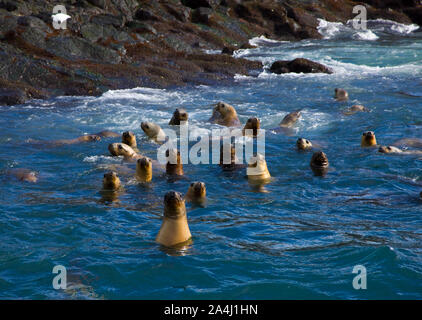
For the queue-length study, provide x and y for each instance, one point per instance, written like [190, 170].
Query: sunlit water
[300, 239]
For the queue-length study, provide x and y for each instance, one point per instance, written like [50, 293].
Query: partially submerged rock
[299, 65]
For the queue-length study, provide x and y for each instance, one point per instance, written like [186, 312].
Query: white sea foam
[375, 28]
[263, 41]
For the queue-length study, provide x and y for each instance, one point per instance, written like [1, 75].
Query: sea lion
[197, 193]
[253, 124]
[224, 115]
[23, 174]
[319, 163]
[107, 134]
[178, 116]
[81, 139]
[368, 139]
[340, 94]
[129, 138]
[290, 119]
[144, 169]
[257, 170]
[111, 181]
[174, 165]
[232, 163]
[410, 142]
[174, 228]
[153, 131]
[395, 150]
[122, 149]
[304, 144]
[354, 109]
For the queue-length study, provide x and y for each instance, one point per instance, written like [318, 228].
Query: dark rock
[141, 27]
[73, 48]
[242, 11]
[299, 65]
[7, 24]
[98, 3]
[93, 31]
[108, 19]
[415, 14]
[228, 50]
[195, 4]
[201, 15]
[247, 45]
[33, 22]
[143, 15]
[9, 96]
[180, 13]
[7, 5]
[288, 26]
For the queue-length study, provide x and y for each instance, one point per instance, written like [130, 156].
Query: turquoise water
[298, 240]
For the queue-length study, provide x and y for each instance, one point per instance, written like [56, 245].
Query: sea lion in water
[229, 162]
[410, 142]
[224, 115]
[290, 119]
[178, 116]
[81, 139]
[174, 228]
[144, 169]
[368, 139]
[252, 125]
[153, 131]
[340, 94]
[319, 163]
[354, 109]
[304, 144]
[122, 149]
[107, 134]
[129, 138]
[23, 174]
[197, 193]
[174, 164]
[395, 150]
[111, 181]
[257, 170]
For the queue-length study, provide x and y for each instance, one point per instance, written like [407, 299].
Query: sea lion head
[303, 144]
[89, 138]
[144, 169]
[178, 116]
[152, 130]
[174, 164]
[389, 149]
[290, 119]
[30, 177]
[120, 149]
[368, 139]
[196, 190]
[257, 168]
[319, 163]
[108, 134]
[111, 181]
[129, 138]
[341, 94]
[252, 124]
[224, 114]
[174, 205]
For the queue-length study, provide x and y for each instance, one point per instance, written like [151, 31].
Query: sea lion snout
[319, 159]
[303, 144]
[111, 181]
[198, 188]
[144, 162]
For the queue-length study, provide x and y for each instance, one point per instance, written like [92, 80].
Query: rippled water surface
[300, 239]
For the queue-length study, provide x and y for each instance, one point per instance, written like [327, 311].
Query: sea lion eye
[120, 147]
[307, 141]
[191, 184]
[389, 148]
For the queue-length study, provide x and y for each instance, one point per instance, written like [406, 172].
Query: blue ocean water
[298, 240]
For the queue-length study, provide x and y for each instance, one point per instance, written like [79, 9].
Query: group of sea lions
[174, 230]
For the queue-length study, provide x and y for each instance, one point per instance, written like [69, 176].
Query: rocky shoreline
[119, 44]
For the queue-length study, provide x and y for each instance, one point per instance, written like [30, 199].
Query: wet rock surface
[299, 65]
[119, 44]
